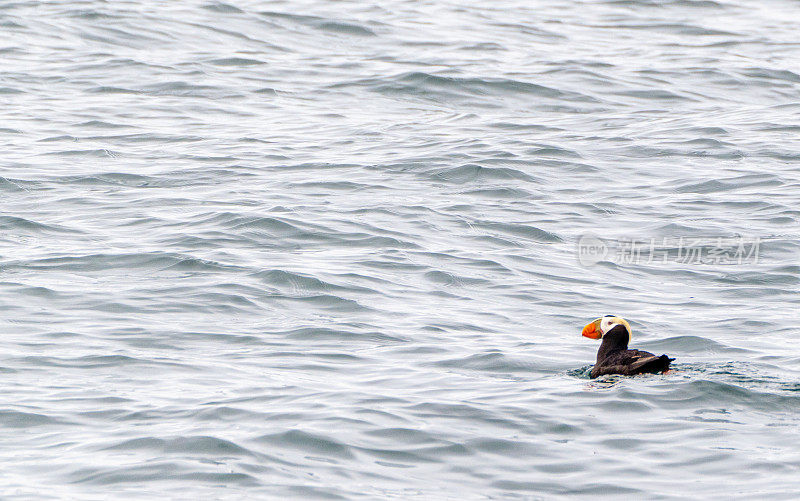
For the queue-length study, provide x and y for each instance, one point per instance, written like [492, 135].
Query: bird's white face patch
[608, 322]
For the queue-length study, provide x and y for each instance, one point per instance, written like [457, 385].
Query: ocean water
[338, 250]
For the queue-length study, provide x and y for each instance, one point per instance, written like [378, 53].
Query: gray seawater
[328, 250]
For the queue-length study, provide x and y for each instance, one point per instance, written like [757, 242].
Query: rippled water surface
[327, 250]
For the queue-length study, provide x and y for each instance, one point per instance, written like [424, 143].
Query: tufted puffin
[614, 357]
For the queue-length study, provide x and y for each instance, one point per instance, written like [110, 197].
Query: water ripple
[328, 250]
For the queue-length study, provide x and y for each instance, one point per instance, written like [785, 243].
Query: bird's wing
[635, 359]
[626, 362]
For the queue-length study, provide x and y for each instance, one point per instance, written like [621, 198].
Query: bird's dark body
[614, 357]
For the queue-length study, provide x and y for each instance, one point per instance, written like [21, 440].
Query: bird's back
[630, 362]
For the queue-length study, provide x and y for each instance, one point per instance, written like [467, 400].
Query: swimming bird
[614, 357]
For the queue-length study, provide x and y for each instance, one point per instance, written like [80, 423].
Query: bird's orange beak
[592, 330]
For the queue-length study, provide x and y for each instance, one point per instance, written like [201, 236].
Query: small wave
[223, 8]
[331, 334]
[323, 24]
[161, 470]
[110, 179]
[337, 186]
[307, 442]
[202, 445]
[690, 344]
[142, 261]
[98, 361]
[519, 230]
[725, 394]
[444, 278]
[772, 74]
[18, 419]
[13, 224]
[180, 88]
[298, 283]
[110, 89]
[419, 84]
[345, 28]
[236, 61]
[472, 173]
[501, 193]
[100, 124]
[95, 153]
[490, 362]
[716, 185]
[654, 94]
[700, 4]
[671, 28]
